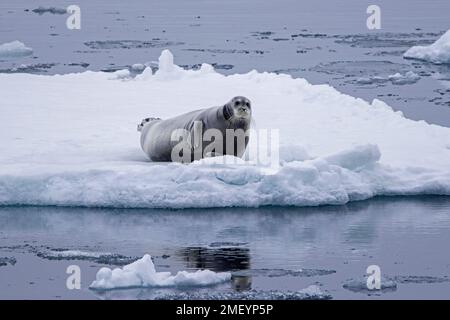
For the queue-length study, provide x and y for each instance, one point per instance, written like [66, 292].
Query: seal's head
[239, 108]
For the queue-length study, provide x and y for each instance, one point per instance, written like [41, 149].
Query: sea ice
[99, 257]
[142, 273]
[360, 286]
[438, 52]
[14, 49]
[409, 77]
[312, 292]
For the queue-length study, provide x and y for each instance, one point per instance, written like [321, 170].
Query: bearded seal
[197, 134]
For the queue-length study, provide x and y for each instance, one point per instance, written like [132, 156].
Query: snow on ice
[71, 140]
[438, 52]
[142, 273]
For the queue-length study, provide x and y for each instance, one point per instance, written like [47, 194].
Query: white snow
[75, 253]
[14, 49]
[142, 273]
[72, 140]
[438, 52]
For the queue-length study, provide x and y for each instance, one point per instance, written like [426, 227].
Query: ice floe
[71, 140]
[142, 273]
[74, 254]
[438, 52]
[272, 273]
[312, 292]
[420, 279]
[360, 286]
[390, 283]
[409, 77]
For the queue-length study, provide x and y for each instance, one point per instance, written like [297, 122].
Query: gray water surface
[266, 249]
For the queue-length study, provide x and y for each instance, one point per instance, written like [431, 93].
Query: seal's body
[158, 137]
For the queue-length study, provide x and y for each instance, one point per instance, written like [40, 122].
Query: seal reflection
[225, 259]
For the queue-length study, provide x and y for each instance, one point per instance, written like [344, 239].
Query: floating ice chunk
[74, 254]
[399, 79]
[438, 52]
[14, 49]
[138, 67]
[121, 74]
[372, 80]
[99, 257]
[142, 273]
[313, 292]
[360, 286]
[408, 78]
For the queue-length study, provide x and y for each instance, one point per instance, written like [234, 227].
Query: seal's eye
[237, 103]
[247, 104]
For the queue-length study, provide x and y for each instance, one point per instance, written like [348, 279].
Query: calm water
[263, 248]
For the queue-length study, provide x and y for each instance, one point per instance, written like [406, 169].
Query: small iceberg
[408, 78]
[142, 274]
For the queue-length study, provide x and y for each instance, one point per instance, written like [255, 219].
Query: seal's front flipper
[144, 122]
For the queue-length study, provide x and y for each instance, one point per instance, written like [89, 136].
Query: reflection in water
[241, 283]
[220, 259]
[269, 248]
[217, 259]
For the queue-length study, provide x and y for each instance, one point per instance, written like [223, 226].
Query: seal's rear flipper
[144, 122]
